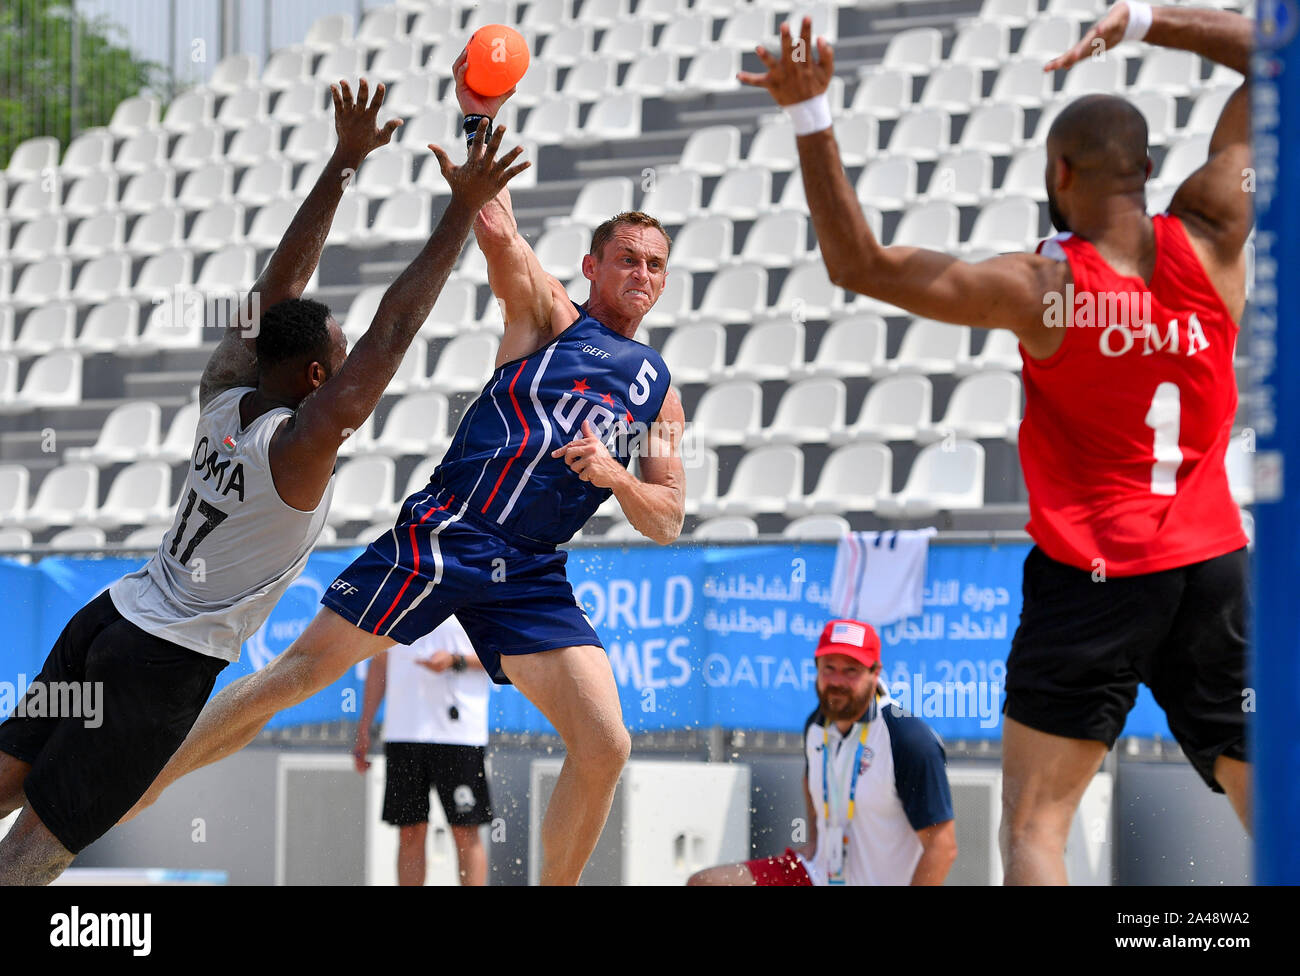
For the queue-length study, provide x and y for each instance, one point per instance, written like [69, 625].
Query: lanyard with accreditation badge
[837, 870]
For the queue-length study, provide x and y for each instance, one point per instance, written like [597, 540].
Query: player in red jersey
[1127, 325]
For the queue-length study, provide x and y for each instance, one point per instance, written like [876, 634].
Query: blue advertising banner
[696, 636]
[1275, 401]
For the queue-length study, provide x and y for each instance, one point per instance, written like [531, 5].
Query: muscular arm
[1002, 292]
[306, 446]
[655, 503]
[234, 361]
[528, 294]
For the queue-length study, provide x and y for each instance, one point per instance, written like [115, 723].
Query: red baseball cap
[852, 638]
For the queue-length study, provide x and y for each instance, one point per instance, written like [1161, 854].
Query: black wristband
[458, 662]
[470, 127]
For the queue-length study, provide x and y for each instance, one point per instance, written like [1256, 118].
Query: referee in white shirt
[435, 734]
[875, 783]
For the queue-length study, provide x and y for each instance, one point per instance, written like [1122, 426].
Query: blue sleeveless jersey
[499, 461]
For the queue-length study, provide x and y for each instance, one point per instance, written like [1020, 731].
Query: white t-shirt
[419, 701]
[902, 787]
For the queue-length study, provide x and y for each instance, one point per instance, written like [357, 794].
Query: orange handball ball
[496, 58]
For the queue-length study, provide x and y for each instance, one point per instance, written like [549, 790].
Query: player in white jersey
[255, 499]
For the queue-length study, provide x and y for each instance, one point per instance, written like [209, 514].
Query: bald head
[1102, 142]
[1102, 133]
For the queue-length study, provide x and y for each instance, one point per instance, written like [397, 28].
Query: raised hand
[355, 119]
[1105, 34]
[471, 102]
[797, 76]
[482, 176]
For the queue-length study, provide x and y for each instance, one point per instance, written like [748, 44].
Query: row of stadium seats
[947, 475]
[199, 171]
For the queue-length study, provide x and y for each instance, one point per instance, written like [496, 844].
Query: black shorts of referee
[88, 770]
[457, 772]
[1083, 646]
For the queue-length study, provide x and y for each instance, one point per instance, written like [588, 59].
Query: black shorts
[456, 772]
[140, 696]
[1083, 646]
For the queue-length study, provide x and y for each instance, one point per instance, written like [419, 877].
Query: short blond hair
[602, 234]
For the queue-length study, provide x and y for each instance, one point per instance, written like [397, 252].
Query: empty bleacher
[807, 402]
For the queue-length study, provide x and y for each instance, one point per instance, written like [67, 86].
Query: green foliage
[36, 80]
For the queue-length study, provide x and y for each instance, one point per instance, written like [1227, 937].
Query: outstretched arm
[303, 450]
[234, 361]
[526, 292]
[1214, 203]
[1002, 292]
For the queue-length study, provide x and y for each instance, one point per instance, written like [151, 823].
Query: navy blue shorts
[510, 595]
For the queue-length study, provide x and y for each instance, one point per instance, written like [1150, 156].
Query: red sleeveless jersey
[1127, 424]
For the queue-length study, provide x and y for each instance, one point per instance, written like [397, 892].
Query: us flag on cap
[852, 638]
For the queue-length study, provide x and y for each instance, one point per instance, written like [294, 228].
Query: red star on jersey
[628, 416]
[607, 398]
[580, 386]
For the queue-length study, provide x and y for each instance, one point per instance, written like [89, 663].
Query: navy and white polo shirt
[902, 788]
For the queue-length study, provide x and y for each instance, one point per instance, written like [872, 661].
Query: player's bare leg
[410, 854]
[471, 856]
[1043, 779]
[574, 688]
[30, 854]
[730, 875]
[13, 773]
[1234, 776]
[319, 657]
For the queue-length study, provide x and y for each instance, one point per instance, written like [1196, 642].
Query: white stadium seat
[964, 177]
[729, 413]
[888, 183]
[931, 347]
[776, 240]
[33, 158]
[90, 152]
[79, 537]
[726, 528]
[157, 230]
[884, 94]
[742, 194]
[895, 409]
[197, 148]
[810, 412]
[1008, 224]
[102, 279]
[853, 479]
[134, 115]
[14, 482]
[817, 527]
[466, 363]
[68, 494]
[769, 351]
[943, 477]
[141, 494]
[46, 329]
[704, 244]
[216, 226]
[766, 480]
[363, 489]
[179, 443]
[985, 405]
[111, 326]
[130, 432]
[735, 294]
[417, 425]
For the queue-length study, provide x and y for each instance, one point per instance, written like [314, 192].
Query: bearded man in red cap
[875, 783]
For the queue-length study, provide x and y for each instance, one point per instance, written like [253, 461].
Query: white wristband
[809, 116]
[1139, 20]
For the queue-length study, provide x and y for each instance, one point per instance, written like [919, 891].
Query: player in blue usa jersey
[546, 442]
